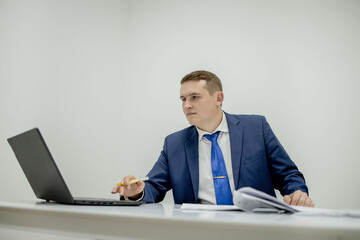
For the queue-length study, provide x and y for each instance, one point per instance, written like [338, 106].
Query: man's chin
[192, 122]
[193, 119]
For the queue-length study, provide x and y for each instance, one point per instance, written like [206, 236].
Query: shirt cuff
[135, 200]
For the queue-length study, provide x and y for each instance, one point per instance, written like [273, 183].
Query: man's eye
[195, 97]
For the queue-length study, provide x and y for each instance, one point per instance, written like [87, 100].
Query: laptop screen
[39, 167]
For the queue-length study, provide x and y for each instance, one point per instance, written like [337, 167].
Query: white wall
[101, 78]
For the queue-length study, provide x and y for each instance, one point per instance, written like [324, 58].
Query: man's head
[213, 83]
[201, 95]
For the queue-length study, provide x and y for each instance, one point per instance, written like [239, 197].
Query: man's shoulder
[244, 119]
[183, 133]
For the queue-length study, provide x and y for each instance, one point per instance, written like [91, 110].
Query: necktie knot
[212, 137]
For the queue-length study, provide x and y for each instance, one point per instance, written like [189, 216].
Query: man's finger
[308, 202]
[287, 199]
[295, 196]
[127, 183]
[302, 199]
[115, 190]
[121, 191]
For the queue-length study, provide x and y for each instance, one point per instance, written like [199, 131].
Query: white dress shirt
[206, 192]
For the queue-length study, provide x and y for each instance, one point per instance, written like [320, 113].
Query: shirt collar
[223, 127]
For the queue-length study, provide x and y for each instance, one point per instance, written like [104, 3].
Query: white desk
[166, 221]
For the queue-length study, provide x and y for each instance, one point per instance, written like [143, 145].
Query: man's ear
[219, 98]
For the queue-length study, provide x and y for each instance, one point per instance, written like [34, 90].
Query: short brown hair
[213, 82]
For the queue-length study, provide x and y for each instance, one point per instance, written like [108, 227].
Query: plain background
[101, 81]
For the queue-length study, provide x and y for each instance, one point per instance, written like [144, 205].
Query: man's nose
[187, 105]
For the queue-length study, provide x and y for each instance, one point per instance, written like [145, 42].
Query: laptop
[44, 176]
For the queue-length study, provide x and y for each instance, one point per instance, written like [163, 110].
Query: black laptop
[43, 175]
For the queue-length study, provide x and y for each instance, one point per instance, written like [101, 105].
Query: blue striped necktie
[220, 177]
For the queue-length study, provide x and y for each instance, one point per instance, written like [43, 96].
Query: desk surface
[168, 221]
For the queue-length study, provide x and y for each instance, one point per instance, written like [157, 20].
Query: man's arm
[285, 174]
[159, 179]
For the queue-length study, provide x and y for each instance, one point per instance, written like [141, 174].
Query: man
[217, 154]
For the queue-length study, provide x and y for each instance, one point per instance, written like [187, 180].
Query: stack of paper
[251, 200]
[246, 199]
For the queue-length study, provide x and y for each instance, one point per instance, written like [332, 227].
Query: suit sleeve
[285, 174]
[159, 180]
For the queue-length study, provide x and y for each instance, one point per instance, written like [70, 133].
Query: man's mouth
[189, 114]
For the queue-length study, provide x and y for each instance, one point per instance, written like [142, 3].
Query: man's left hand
[299, 198]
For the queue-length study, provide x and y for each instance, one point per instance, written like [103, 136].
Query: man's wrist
[136, 198]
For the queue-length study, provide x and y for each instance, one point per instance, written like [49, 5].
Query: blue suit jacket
[258, 161]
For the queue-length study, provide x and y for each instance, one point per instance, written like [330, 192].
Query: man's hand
[299, 198]
[133, 190]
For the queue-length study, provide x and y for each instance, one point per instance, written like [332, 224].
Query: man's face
[200, 108]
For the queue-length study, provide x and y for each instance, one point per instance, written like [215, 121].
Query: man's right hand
[133, 190]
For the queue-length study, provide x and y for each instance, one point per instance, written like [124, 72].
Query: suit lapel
[236, 146]
[192, 156]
